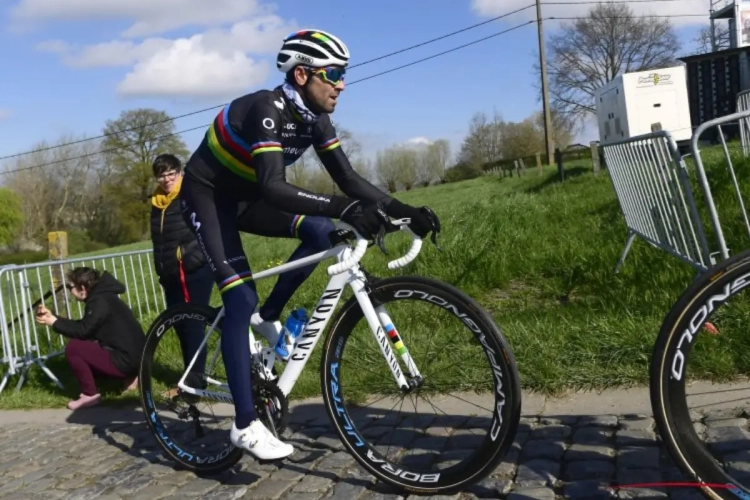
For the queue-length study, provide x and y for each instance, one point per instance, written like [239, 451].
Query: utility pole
[545, 90]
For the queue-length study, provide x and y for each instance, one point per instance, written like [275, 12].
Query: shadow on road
[425, 438]
[313, 437]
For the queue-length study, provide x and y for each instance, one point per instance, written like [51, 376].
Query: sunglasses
[332, 75]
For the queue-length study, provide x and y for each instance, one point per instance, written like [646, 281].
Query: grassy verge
[539, 255]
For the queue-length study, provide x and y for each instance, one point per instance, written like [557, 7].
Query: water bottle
[293, 327]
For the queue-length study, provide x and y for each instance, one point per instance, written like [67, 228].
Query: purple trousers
[87, 358]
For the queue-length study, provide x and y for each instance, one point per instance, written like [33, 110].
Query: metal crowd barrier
[24, 287]
[742, 117]
[653, 189]
[743, 104]
[653, 186]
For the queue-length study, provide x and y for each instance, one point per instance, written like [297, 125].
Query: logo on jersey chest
[294, 151]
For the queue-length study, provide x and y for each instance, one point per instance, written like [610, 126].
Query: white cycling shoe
[259, 442]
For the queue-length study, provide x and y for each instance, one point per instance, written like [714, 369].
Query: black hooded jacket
[110, 322]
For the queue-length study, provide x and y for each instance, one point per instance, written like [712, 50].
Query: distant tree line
[99, 190]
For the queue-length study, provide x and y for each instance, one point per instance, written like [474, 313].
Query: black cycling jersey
[242, 159]
[257, 136]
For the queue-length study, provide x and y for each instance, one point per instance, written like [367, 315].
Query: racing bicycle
[463, 389]
[705, 333]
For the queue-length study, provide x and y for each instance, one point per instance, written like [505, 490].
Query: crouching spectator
[107, 341]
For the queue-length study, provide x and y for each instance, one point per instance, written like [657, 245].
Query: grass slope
[538, 254]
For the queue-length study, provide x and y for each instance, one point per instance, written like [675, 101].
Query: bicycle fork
[383, 329]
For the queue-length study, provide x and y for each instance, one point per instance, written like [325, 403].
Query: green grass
[539, 255]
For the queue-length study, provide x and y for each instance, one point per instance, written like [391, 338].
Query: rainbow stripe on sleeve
[328, 146]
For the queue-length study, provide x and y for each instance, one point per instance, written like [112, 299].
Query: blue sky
[68, 66]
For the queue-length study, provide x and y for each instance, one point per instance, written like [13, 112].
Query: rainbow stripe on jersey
[231, 151]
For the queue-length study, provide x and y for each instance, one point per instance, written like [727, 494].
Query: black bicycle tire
[194, 464]
[342, 325]
[668, 403]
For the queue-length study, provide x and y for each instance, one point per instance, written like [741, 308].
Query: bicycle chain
[268, 399]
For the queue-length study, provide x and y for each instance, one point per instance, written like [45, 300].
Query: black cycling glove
[423, 220]
[366, 218]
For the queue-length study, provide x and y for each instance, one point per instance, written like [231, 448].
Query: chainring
[270, 401]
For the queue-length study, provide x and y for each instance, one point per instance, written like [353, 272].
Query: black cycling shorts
[218, 211]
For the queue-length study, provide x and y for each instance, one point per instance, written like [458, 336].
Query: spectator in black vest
[183, 271]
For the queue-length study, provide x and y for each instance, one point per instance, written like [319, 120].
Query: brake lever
[433, 237]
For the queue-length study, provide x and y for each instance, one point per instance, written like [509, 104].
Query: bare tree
[72, 174]
[589, 52]
[563, 129]
[406, 160]
[440, 153]
[721, 36]
[432, 161]
[483, 142]
[36, 190]
[386, 169]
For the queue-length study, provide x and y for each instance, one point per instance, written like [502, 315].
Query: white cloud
[491, 8]
[188, 68]
[220, 62]
[149, 17]
[113, 53]
[418, 140]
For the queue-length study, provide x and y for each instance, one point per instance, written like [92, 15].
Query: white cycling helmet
[314, 48]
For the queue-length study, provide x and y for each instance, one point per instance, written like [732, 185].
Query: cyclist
[242, 159]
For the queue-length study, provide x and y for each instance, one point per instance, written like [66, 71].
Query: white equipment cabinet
[639, 103]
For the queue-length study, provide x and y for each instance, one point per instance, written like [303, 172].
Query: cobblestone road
[553, 457]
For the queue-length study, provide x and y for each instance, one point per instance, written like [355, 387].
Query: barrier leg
[4, 381]
[625, 251]
[49, 373]
[22, 378]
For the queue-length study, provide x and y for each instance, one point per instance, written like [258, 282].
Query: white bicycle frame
[346, 272]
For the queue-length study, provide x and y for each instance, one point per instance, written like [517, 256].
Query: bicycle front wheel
[459, 417]
[704, 338]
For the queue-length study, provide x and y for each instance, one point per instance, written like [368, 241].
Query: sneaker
[258, 441]
[84, 401]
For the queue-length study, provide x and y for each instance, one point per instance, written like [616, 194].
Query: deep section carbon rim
[181, 422]
[704, 337]
[454, 428]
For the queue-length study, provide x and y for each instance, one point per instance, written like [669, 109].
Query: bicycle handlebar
[353, 259]
[361, 248]
[416, 246]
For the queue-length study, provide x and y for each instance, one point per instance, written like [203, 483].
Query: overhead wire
[552, 18]
[211, 108]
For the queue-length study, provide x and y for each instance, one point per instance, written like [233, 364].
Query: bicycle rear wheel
[432, 450]
[705, 337]
[182, 423]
